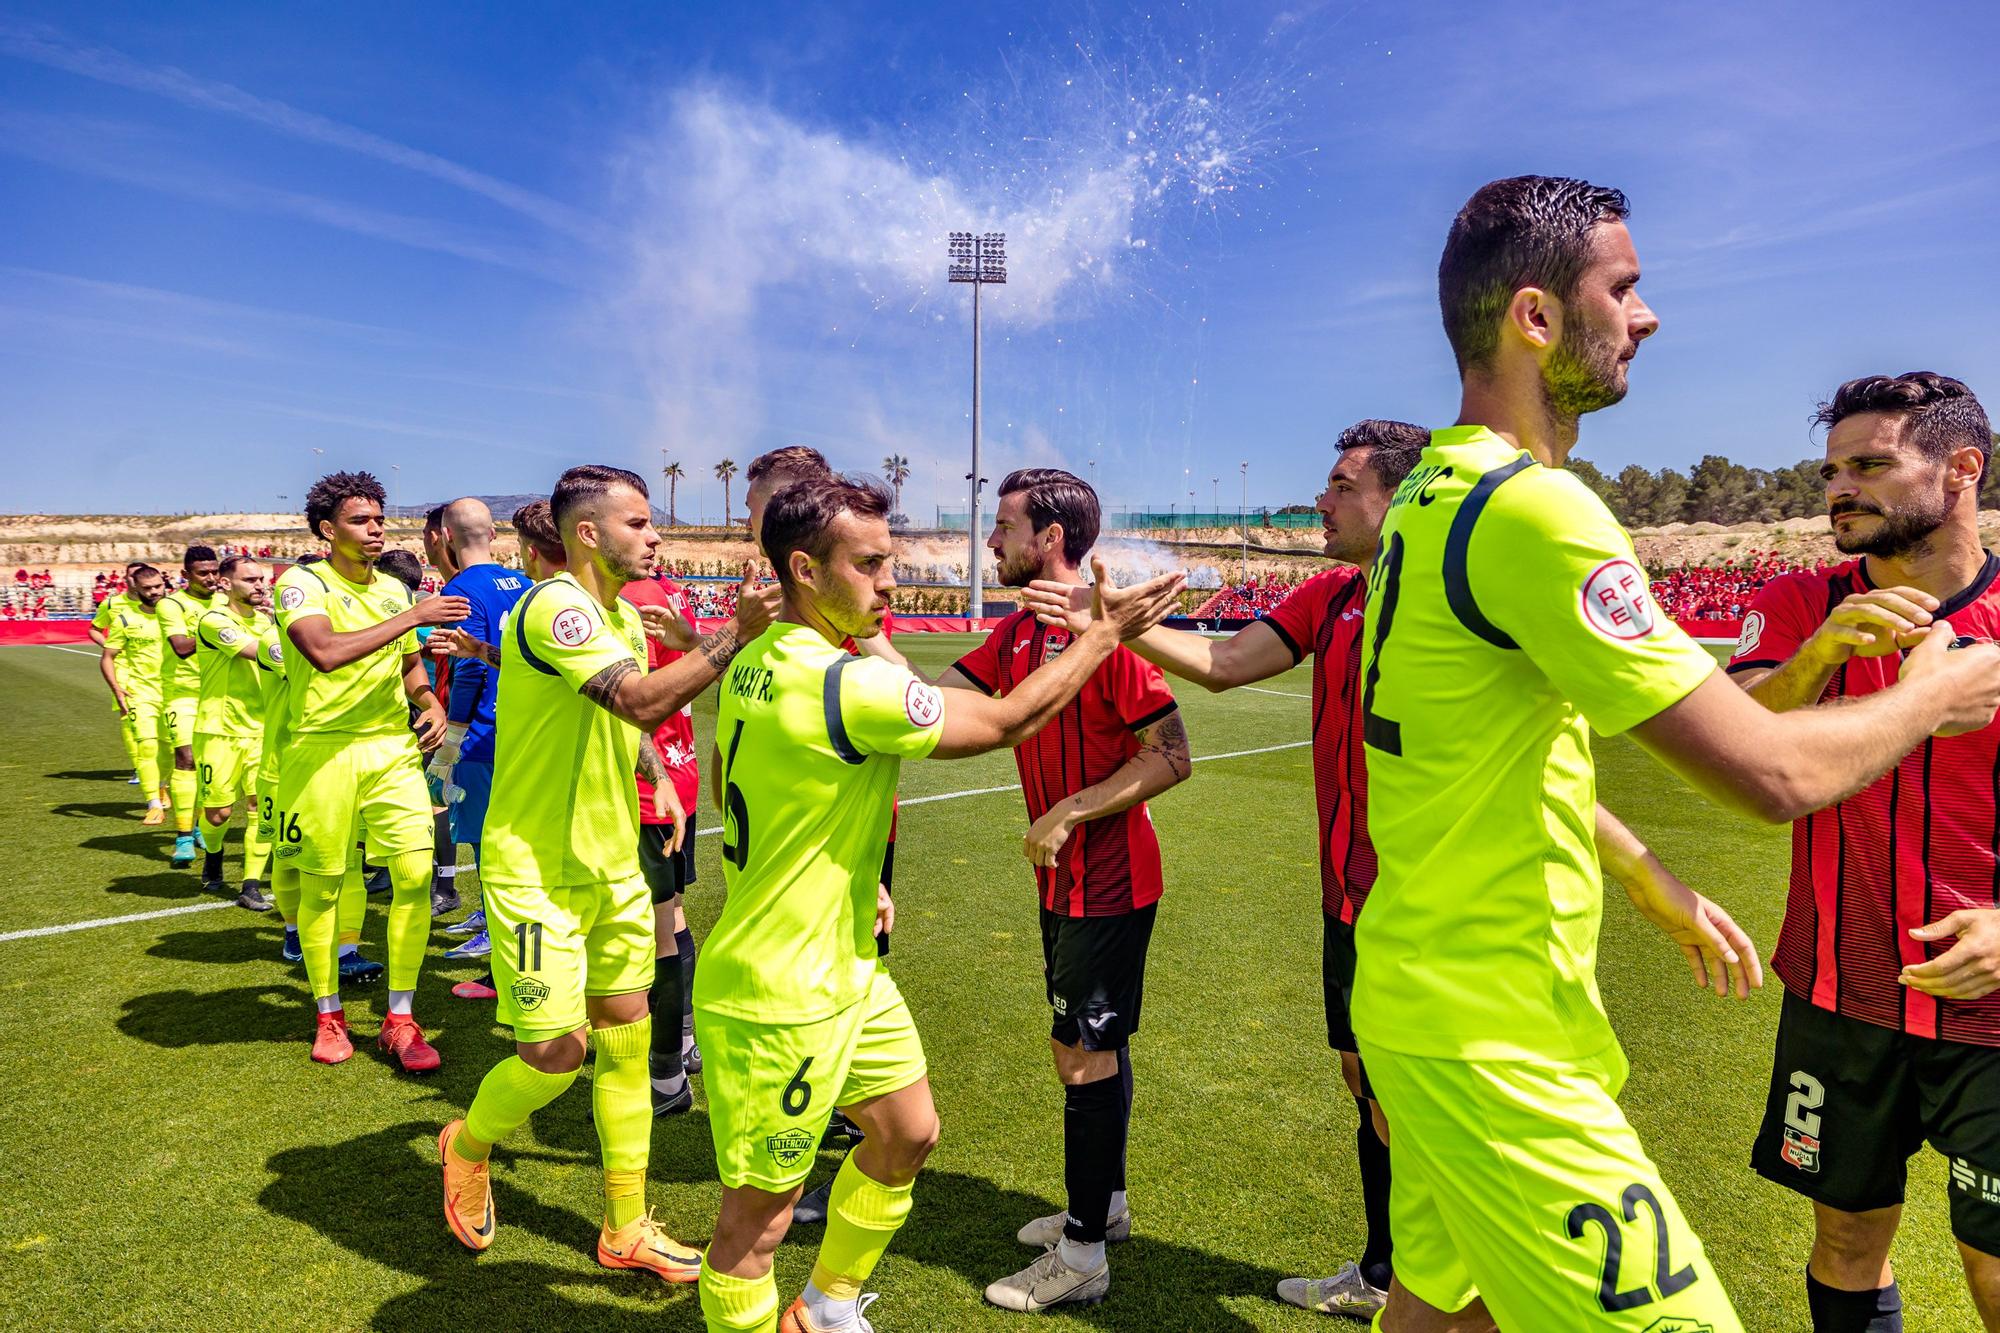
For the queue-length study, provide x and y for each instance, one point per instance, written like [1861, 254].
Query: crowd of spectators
[1720, 592]
[1245, 601]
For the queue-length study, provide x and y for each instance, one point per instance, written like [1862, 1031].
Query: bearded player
[796, 1011]
[229, 722]
[1890, 950]
[133, 666]
[180, 687]
[1507, 618]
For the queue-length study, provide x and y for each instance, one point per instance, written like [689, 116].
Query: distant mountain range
[503, 507]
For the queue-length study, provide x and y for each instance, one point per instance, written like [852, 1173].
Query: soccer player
[561, 877]
[666, 854]
[1507, 618]
[1890, 949]
[229, 722]
[133, 666]
[463, 549]
[108, 609]
[181, 684]
[1322, 619]
[796, 1012]
[1096, 861]
[353, 759]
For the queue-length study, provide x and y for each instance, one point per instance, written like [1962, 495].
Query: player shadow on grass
[397, 1221]
[179, 884]
[228, 947]
[153, 844]
[98, 809]
[91, 775]
[177, 1019]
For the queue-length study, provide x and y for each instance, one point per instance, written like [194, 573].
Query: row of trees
[895, 467]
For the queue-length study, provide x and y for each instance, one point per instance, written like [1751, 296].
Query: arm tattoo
[720, 648]
[1170, 741]
[651, 767]
[602, 688]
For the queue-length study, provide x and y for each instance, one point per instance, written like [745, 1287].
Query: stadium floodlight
[1243, 521]
[978, 260]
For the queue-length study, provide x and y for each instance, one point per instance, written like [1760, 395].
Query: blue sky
[475, 244]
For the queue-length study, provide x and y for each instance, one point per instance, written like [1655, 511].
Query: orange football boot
[330, 1040]
[468, 1193]
[642, 1244]
[404, 1042]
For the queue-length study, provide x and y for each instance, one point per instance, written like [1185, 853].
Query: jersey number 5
[1377, 731]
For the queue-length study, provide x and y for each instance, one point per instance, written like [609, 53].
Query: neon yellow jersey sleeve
[569, 631]
[885, 709]
[1552, 568]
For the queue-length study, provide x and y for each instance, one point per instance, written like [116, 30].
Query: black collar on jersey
[1959, 600]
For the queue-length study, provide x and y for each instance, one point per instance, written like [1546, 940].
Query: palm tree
[897, 469]
[673, 472]
[724, 471]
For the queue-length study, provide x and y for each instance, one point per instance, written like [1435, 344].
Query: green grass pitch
[173, 1160]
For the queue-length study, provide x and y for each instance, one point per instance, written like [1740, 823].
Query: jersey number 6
[735, 812]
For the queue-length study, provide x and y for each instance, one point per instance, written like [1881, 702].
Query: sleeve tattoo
[1168, 738]
[602, 688]
[651, 767]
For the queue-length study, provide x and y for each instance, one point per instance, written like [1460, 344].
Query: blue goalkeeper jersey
[492, 590]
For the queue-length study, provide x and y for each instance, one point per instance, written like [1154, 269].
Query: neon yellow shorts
[142, 718]
[773, 1087]
[179, 717]
[267, 761]
[1523, 1184]
[332, 787]
[553, 948]
[228, 767]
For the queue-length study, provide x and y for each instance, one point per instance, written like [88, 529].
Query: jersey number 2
[1665, 1281]
[1378, 731]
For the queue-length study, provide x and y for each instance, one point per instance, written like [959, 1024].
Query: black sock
[667, 1009]
[684, 949]
[211, 864]
[1125, 1078]
[1093, 1146]
[1374, 1156]
[444, 852]
[1837, 1311]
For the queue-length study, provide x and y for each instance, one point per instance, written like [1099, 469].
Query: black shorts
[1851, 1103]
[667, 873]
[1095, 967]
[1336, 975]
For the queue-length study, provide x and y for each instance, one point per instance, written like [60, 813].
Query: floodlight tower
[977, 260]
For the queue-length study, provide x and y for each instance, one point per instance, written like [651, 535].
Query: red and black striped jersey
[1322, 618]
[1919, 843]
[1110, 865]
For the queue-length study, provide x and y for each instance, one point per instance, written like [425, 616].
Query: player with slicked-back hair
[797, 1016]
[1890, 950]
[179, 610]
[564, 895]
[1507, 620]
[131, 662]
[353, 756]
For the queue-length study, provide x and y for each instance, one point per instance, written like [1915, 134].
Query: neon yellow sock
[185, 789]
[319, 930]
[862, 1217]
[256, 851]
[409, 916]
[624, 1198]
[512, 1091]
[285, 891]
[213, 835]
[622, 1104]
[145, 755]
[353, 899]
[738, 1304]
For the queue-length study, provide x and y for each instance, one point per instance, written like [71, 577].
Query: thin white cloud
[187, 305]
[44, 46]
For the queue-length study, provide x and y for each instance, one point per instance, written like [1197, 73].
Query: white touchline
[1283, 694]
[39, 931]
[82, 652]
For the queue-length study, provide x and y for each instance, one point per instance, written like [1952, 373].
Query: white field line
[1282, 694]
[38, 931]
[84, 652]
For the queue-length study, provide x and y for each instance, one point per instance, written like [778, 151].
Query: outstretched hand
[1134, 610]
[1719, 952]
[1059, 605]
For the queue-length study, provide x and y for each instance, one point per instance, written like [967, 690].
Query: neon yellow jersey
[1507, 616]
[135, 632]
[108, 609]
[180, 677]
[232, 688]
[812, 740]
[365, 697]
[565, 806]
[271, 680]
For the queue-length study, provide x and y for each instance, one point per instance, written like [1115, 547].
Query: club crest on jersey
[529, 993]
[923, 704]
[571, 627]
[1753, 634]
[389, 605]
[1617, 601]
[229, 636]
[788, 1146]
[1675, 1323]
[1052, 647]
[292, 598]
